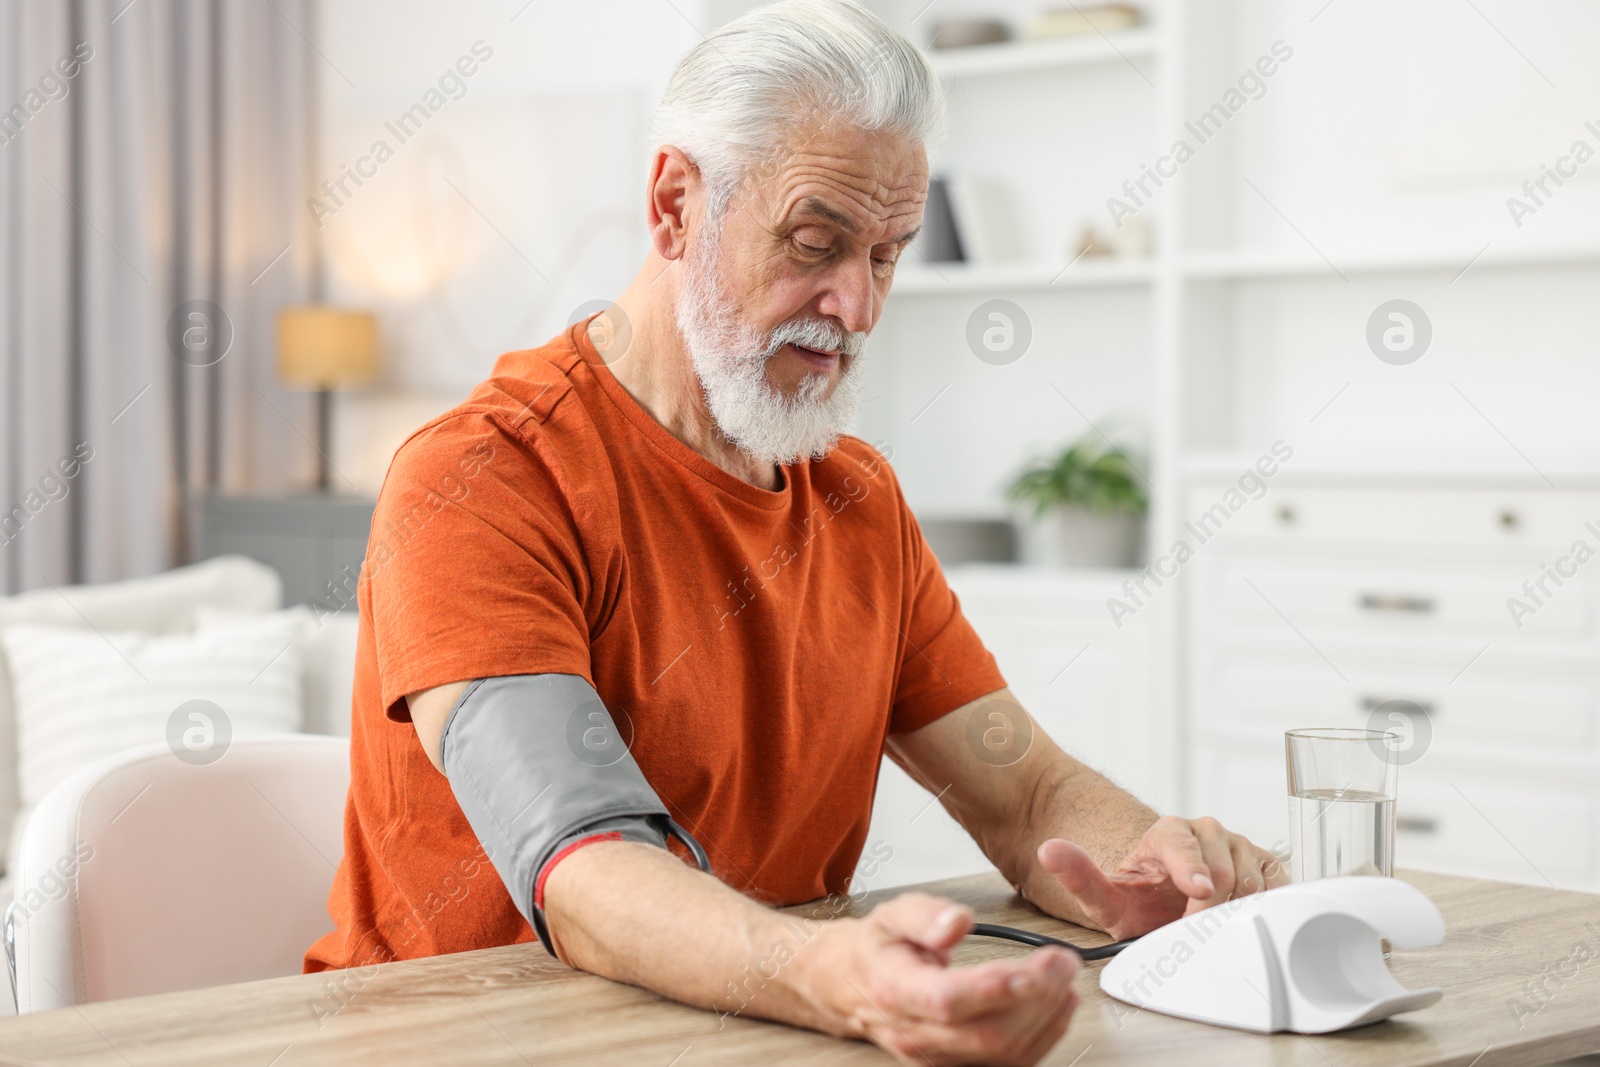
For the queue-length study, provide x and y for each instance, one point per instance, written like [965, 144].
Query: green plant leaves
[1094, 476]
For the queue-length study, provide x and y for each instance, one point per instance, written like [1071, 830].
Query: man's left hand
[1179, 867]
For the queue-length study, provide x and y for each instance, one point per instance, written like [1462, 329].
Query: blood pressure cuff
[539, 769]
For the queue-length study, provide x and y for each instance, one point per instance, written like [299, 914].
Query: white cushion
[327, 644]
[165, 603]
[82, 695]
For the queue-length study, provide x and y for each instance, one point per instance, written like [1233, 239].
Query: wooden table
[515, 1005]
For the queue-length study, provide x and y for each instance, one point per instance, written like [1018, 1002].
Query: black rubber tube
[1005, 933]
[1028, 937]
[701, 860]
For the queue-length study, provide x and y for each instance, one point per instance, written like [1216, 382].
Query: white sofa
[170, 603]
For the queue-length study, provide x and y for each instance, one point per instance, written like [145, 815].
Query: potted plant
[1086, 506]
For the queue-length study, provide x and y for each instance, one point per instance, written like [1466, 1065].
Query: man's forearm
[639, 915]
[1010, 811]
[635, 914]
[1071, 800]
[1115, 864]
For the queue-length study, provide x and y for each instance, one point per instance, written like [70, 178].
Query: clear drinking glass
[1341, 801]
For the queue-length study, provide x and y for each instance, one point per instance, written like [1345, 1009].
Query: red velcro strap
[550, 864]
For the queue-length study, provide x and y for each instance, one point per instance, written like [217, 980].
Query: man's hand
[634, 913]
[887, 977]
[1054, 826]
[1179, 867]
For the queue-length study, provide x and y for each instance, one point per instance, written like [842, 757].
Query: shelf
[1016, 56]
[1214, 466]
[1292, 263]
[944, 278]
[925, 279]
[1095, 582]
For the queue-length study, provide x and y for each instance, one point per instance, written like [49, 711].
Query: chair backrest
[144, 873]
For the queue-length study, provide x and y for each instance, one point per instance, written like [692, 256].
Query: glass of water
[1341, 801]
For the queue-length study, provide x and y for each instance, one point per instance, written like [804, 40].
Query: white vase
[1075, 537]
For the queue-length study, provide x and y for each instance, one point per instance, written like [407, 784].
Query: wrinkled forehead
[869, 183]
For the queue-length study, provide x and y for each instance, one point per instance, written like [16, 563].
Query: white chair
[146, 874]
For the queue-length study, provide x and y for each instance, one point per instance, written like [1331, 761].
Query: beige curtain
[154, 162]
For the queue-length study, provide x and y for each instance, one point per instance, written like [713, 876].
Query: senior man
[638, 587]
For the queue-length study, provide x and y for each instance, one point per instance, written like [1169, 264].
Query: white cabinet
[1507, 827]
[1086, 683]
[1322, 604]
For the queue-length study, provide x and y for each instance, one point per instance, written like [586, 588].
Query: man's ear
[673, 180]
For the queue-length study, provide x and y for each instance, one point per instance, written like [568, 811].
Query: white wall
[1403, 129]
[1397, 127]
[1401, 124]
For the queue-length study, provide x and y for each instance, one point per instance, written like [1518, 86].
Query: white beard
[730, 356]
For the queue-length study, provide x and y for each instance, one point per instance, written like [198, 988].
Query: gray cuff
[536, 763]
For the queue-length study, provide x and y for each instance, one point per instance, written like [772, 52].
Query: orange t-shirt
[760, 644]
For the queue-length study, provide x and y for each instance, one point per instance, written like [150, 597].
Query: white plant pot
[1074, 537]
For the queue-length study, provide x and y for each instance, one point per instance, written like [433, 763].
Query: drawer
[1511, 829]
[1388, 601]
[1087, 684]
[1538, 521]
[1485, 712]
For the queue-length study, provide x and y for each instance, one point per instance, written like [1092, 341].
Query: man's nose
[851, 295]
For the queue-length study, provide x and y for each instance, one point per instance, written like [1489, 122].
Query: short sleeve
[945, 665]
[474, 565]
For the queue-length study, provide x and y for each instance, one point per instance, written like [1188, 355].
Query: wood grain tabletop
[1520, 967]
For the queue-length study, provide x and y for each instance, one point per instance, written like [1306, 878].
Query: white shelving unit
[1099, 308]
[943, 279]
[1247, 263]
[1450, 478]
[1277, 241]
[1016, 56]
[1019, 112]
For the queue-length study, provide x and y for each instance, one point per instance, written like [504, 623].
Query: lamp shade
[324, 347]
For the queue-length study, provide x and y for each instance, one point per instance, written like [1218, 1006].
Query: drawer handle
[1373, 703]
[1396, 603]
[1416, 824]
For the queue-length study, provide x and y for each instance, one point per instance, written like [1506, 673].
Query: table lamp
[325, 348]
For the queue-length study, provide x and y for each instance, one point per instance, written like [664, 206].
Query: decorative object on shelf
[1089, 244]
[1076, 21]
[326, 348]
[1131, 240]
[1085, 505]
[967, 219]
[964, 33]
[980, 207]
[939, 241]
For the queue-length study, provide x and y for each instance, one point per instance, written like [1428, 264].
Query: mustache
[815, 333]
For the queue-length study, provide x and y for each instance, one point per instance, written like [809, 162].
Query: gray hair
[737, 96]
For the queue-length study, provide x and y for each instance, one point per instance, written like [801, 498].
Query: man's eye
[813, 249]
